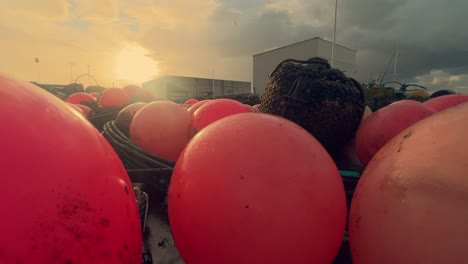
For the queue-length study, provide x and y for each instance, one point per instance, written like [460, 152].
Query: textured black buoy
[441, 93]
[320, 99]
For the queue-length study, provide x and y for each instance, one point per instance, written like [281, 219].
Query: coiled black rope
[142, 166]
[99, 116]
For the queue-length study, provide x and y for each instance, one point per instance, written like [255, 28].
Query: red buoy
[197, 105]
[443, 102]
[86, 110]
[246, 196]
[382, 125]
[215, 110]
[81, 97]
[191, 101]
[410, 203]
[162, 128]
[125, 116]
[67, 197]
[114, 97]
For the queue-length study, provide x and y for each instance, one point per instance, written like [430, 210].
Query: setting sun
[134, 65]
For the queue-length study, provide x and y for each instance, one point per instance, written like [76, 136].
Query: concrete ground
[159, 238]
[161, 243]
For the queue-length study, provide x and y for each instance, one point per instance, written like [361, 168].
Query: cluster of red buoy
[407, 207]
[110, 97]
[164, 128]
[247, 187]
[237, 176]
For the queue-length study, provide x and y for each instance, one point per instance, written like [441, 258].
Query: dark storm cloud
[430, 35]
[257, 34]
[255, 29]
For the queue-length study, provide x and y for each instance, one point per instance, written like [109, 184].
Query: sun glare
[134, 65]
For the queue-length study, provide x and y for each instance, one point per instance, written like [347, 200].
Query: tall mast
[395, 66]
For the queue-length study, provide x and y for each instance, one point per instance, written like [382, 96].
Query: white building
[180, 88]
[264, 63]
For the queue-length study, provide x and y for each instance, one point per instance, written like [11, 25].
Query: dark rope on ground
[142, 166]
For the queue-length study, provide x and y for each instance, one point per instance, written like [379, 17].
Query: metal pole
[38, 73]
[213, 86]
[334, 37]
[36, 60]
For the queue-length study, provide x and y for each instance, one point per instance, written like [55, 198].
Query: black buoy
[441, 93]
[321, 99]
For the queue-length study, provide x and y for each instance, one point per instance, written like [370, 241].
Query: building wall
[226, 87]
[178, 88]
[345, 59]
[157, 87]
[264, 63]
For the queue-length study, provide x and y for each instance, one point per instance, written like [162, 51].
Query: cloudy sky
[131, 41]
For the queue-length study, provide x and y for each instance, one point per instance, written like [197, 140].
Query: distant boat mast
[394, 58]
[395, 66]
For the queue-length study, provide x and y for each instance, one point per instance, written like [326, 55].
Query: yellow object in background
[418, 93]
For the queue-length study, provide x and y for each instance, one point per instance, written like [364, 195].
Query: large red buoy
[138, 94]
[191, 101]
[443, 102]
[113, 97]
[66, 197]
[125, 116]
[86, 110]
[382, 125]
[76, 108]
[197, 105]
[162, 128]
[131, 89]
[215, 110]
[81, 97]
[410, 204]
[245, 196]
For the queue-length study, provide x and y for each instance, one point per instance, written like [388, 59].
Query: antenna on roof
[332, 63]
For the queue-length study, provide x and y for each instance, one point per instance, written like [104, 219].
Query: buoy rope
[141, 165]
